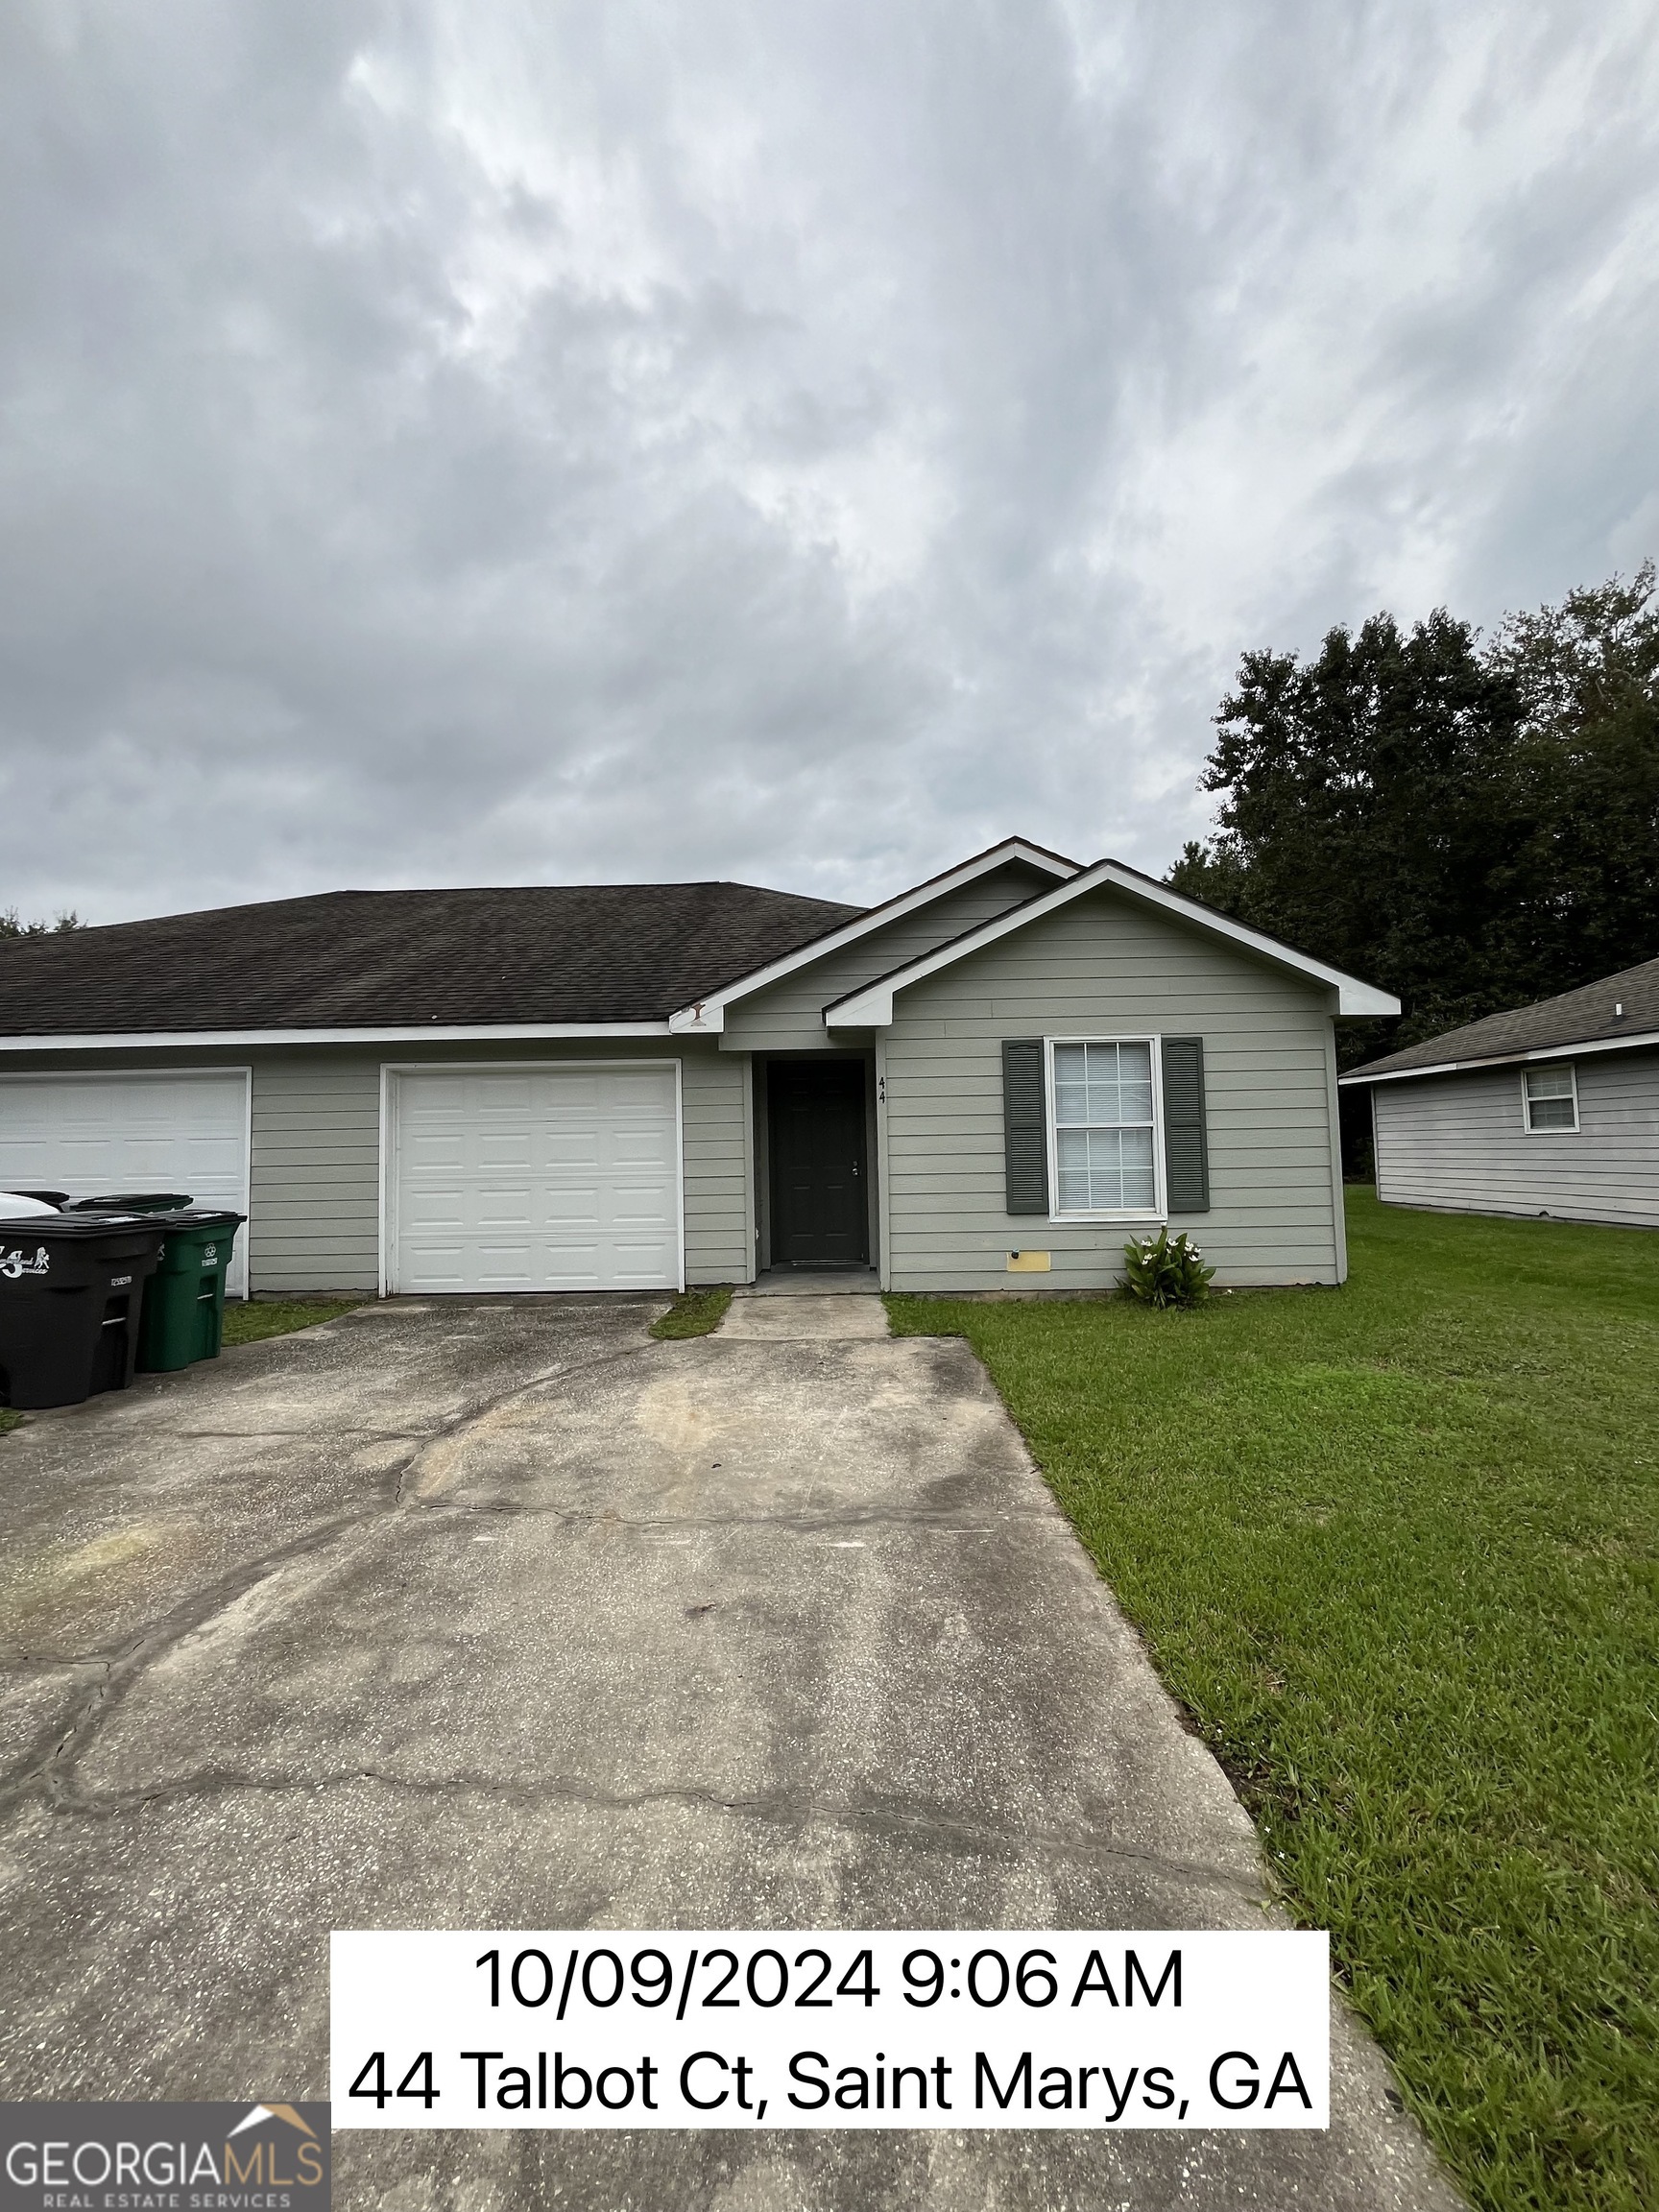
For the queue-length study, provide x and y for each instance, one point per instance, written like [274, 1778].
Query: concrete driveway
[500, 1614]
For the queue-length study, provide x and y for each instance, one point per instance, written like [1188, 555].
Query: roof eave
[706, 1016]
[425, 1032]
[1646, 1037]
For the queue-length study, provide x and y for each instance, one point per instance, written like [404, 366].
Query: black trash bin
[71, 1287]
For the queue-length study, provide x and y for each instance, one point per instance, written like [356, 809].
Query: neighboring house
[1552, 1109]
[999, 1076]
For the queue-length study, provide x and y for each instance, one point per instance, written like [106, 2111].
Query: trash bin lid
[47, 1222]
[207, 1218]
[16, 1205]
[131, 1202]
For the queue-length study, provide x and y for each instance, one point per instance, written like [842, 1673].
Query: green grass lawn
[247, 1321]
[1396, 1547]
[694, 1313]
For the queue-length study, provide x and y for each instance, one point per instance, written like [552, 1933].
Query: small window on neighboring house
[1105, 1127]
[1551, 1098]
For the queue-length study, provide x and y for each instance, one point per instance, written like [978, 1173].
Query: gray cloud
[499, 441]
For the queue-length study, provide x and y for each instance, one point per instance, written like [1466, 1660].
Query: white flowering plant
[1165, 1270]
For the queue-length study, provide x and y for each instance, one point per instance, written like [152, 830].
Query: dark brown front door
[820, 1213]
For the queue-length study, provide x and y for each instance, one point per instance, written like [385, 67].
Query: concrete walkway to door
[498, 1614]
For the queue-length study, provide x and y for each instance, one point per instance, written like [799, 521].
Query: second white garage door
[184, 1131]
[534, 1179]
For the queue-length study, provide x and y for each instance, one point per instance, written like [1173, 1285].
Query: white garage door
[90, 1133]
[534, 1179]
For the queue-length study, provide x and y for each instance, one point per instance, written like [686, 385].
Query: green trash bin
[183, 1317]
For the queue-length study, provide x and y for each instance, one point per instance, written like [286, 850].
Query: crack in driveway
[126, 1663]
[896, 1817]
[48, 1765]
[803, 1523]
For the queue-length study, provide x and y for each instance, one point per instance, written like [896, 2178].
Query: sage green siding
[313, 1182]
[789, 1016]
[314, 1209]
[317, 1157]
[314, 1217]
[1103, 966]
[1100, 966]
[719, 1180]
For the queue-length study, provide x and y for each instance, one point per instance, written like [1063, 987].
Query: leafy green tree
[1473, 826]
[1580, 895]
[10, 927]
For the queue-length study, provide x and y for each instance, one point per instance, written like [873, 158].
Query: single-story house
[1552, 1109]
[989, 1081]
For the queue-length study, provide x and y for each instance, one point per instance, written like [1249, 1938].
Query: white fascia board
[431, 1033]
[1404, 1074]
[1646, 1037]
[872, 1008]
[706, 1017]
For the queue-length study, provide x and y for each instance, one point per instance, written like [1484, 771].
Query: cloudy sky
[469, 440]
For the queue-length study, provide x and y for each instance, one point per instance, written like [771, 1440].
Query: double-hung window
[1102, 1096]
[1551, 1095]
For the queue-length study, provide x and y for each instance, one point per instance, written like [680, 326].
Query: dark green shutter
[1025, 1125]
[1185, 1140]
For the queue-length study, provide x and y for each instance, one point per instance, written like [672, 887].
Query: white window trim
[1158, 1211]
[1527, 1123]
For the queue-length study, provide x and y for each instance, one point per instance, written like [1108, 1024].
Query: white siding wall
[1460, 1144]
[1104, 967]
[789, 1016]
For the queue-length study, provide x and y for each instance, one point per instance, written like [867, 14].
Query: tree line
[10, 927]
[1473, 824]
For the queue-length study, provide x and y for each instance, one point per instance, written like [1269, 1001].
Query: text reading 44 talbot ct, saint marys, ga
[939, 2027]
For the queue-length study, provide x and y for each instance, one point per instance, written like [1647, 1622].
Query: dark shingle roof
[1581, 1016]
[373, 959]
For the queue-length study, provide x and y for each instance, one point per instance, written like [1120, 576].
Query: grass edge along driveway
[250, 1321]
[1396, 1550]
